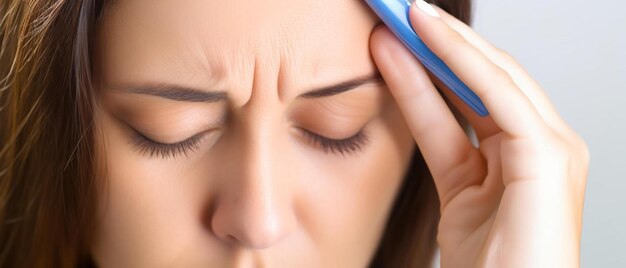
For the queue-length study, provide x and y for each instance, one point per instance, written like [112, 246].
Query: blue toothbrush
[395, 14]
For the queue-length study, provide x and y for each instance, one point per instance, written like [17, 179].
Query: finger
[483, 126]
[440, 138]
[508, 106]
[520, 76]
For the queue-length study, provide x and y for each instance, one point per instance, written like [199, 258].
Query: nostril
[257, 237]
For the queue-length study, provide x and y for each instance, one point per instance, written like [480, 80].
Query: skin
[514, 201]
[256, 193]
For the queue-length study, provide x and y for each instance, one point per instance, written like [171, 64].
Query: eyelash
[153, 148]
[348, 145]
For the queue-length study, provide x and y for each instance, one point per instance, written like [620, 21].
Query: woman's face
[243, 133]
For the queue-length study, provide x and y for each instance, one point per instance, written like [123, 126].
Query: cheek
[348, 201]
[147, 212]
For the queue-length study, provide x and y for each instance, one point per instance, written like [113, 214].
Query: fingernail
[427, 8]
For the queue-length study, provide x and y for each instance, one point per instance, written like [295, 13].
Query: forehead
[218, 36]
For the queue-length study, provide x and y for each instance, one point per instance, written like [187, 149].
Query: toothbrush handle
[395, 14]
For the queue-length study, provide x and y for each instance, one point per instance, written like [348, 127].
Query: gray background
[577, 51]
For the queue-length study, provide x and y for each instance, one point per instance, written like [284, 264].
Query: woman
[272, 133]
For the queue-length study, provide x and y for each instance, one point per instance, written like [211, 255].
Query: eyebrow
[187, 94]
[178, 93]
[374, 78]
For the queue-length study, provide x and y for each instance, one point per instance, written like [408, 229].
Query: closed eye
[151, 148]
[350, 145]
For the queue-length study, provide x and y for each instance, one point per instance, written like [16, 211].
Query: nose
[253, 207]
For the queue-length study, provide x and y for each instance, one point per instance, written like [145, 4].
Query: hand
[517, 199]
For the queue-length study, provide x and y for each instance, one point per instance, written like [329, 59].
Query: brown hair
[47, 176]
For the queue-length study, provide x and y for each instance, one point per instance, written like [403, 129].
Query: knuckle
[573, 148]
[577, 147]
[579, 164]
[583, 149]
[552, 145]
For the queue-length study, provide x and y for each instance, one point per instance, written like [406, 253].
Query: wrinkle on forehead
[291, 43]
